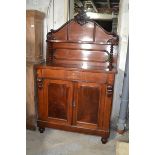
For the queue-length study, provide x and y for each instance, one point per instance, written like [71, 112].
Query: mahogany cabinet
[75, 84]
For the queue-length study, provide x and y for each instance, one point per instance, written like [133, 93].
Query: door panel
[89, 105]
[58, 100]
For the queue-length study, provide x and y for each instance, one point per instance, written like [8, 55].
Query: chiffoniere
[34, 55]
[75, 84]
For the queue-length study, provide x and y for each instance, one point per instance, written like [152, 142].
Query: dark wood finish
[57, 100]
[75, 85]
[88, 103]
[103, 140]
[41, 129]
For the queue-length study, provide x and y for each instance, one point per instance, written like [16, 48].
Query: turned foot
[41, 130]
[103, 140]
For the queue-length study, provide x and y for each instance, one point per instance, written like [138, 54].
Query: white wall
[71, 9]
[54, 17]
[123, 31]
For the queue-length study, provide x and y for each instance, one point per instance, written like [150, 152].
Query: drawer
[61, 74]
[86, 76]
[51, 73]
[74, 75]
[94, 77]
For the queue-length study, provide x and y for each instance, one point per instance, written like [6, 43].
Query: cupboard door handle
[109, 90]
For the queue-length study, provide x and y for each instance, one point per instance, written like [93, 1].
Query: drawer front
[74, 75]
[54, 74]
[94, 77]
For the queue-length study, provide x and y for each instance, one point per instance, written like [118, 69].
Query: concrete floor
[57, 142]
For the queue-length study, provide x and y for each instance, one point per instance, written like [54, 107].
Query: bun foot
[41, 130]
[103, 140]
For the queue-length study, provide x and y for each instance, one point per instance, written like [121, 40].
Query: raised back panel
[81, 55]
[77, 32]
[90, 32]
[101, 35]
[60, 34]
[80, 42]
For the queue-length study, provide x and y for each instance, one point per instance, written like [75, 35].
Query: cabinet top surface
[83, 68]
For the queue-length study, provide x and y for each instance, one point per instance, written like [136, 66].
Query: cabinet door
[57, 100]
[89, 102]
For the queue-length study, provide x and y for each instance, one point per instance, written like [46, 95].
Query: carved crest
[114, 40]
[50, 35]
[109, 90]
[81, 18]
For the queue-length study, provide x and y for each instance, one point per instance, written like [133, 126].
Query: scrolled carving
[109, 90]
[50, 35]
[114, 40]
[81, 18]
[40, 83]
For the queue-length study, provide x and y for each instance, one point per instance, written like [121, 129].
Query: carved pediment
[82, 29]
[81, 18]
